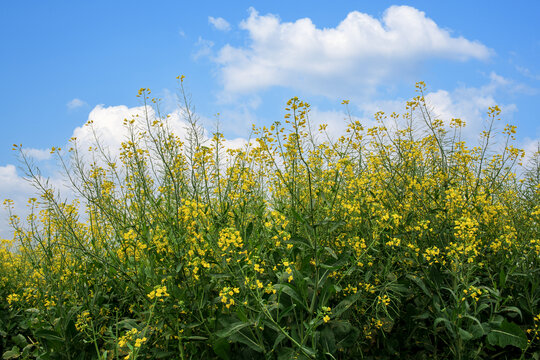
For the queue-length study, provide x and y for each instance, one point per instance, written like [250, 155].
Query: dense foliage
[397, 241]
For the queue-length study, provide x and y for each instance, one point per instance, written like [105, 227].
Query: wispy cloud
[359, 53]
[219, 23]
[203, 48]
[527, 73]
[75, 103]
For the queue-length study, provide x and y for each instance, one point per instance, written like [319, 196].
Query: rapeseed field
[398, 241]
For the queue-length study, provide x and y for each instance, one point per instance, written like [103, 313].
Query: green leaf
[477, 331]
[241, 315]
[165, 355]
[19, 340]
[331, 252]
[420, 284]
[448, 324]
[49, 335]
[328, 339]
[422, 316]
[249, 230]
[127, 324]
[222, 348]
[278, 340]
[346, 303]
[244, 339]
[287, 289]
[512, 310]
[346, 334]
[496, 321]
[465, 335]
[11, 354]
[197, 338]
[232, 329]
[502, 278]
[286, 354]
[508, 334]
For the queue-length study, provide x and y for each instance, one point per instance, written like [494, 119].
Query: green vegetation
[380, 244]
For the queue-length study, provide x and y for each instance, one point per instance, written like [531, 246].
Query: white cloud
[13, 187]
[38, 154]
[108, 127]
[219, 23]
[531, 147]
[357, 54]
[204, 48]
[75, 103]
[527, 73]
[467, 103]
[471, 104]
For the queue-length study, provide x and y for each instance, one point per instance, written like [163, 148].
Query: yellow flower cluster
[229, 240]
[431, 255]
[226, 296]
[384, 300]
[13, 298]
[326, 311]
[472, 292]
[83, 321]
[159, 292]
[129, 337]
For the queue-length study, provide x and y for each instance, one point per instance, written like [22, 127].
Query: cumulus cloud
[108, 128]
[38, 154]
[219, 23]
[467, 103]
[531, 148]
[359, 53]
[75, 103]
[471, 103]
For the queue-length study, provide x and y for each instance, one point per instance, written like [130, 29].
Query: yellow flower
[139, 342]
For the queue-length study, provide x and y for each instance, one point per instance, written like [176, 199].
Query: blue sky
[65, 61]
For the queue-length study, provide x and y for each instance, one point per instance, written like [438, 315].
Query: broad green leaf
[222, 348]
[513, 310]
[19, 340]
[346, 303]
[477, 331]
[11, 354]
[328, 339]
[508, 334]
[48, 335]
[465, 335]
